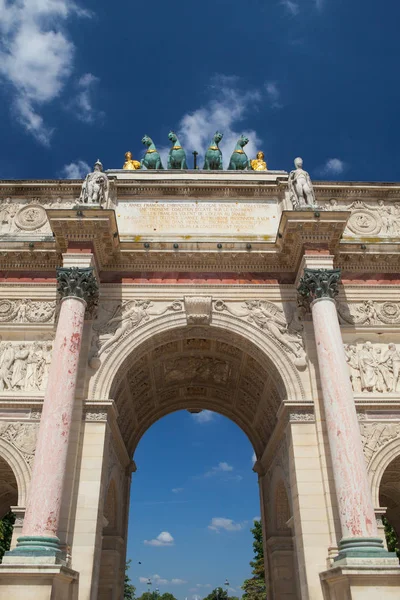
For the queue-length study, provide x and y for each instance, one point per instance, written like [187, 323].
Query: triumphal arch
[251, 292]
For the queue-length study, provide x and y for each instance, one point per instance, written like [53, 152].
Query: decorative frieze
[26, 311]
[369, 312]
[373, 367]
[24, 366]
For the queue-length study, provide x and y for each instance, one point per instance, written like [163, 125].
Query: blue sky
[316, 78]
[193, 500]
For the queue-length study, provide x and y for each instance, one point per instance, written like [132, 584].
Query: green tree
[129, 588]
[167, 596]
[254, 588]
[6, 531]
[217, 594]
[391, 538]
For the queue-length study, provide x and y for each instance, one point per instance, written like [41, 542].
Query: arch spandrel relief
[276, 330]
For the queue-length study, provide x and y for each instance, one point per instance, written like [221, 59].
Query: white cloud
[227, 108]
[163, 539]
[82, 105]
[273, 93]
[256, 518]
[205, 416]
[292, 7]
[333, 166]
[222, 467]
[75, 170]
[254, 458]
[219, 523]
[36, 56]
[157, 580]
[177, 490]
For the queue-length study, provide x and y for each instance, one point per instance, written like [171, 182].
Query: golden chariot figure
[130, 164]
[259, 164]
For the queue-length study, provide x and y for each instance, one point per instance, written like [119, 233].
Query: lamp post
[226, 584]
[157, 591]
[148, 585]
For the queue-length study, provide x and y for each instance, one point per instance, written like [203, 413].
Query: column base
[362, 547]
[36, 550]
[362, 579]
[38, 582]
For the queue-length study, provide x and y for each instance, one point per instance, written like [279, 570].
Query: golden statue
[129, 164]
[259, 164]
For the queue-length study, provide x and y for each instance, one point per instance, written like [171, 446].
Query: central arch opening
[201, 369]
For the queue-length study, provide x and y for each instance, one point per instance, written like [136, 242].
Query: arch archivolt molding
[380, 461]
[19, 464]
[148, 334]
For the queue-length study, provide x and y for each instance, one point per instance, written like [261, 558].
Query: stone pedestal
[364, 580]
[38, 582]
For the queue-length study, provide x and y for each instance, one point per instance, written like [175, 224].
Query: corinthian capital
[319, 283]
[80, 283]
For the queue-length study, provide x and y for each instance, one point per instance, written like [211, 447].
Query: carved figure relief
[7, 214]
[196, 368]
[272, 320]
[22, 436]
[369, 313]
[376, 435]
[24, 367]
[31, 217]
[373, 370]
[115, 322]
[95, 188]
[370, 218]
[26, 311]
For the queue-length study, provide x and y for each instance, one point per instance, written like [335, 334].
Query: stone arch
[100, 386]
[19, 468]
[378, 465]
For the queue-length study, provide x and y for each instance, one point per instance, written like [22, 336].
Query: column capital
[78, 283]
[319, 283]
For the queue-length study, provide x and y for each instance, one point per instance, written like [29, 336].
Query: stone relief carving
[372, 218]
[24, 367]
[272, 320]
[27, 311]
[196, 368]
[369, 313]
[300, 187]
[115, 321]
[376, 435]
[31, 217]
[373, 370]
[22, 436]
[198, 309]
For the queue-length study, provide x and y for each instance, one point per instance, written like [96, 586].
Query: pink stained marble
[46, 488]
[353, 491]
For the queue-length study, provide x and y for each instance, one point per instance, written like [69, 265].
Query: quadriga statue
[151, 159]
[177, 155]
[213, 157]
[239, 160]
[95, 187]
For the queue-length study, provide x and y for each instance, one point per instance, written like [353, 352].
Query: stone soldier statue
[300, 187]
[95, 187]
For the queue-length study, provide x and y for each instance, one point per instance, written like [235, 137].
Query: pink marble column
[39, 533]
[357, 516]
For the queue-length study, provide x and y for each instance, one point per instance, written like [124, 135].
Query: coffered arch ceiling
[196, 368]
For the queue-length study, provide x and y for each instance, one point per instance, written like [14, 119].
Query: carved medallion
[389, 312]
[31, 217]
[364, 222]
